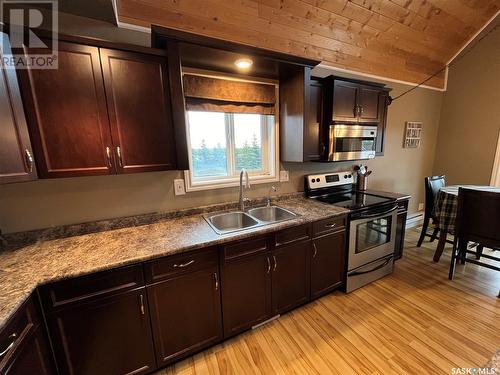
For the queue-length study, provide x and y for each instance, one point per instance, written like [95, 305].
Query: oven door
[371, 235]
[351, 142]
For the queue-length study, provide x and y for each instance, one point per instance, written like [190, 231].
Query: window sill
[226, 183]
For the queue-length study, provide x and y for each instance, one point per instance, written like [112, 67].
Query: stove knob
[313, 180]
[345, 176]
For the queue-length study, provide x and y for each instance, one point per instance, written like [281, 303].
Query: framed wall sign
[413, 134]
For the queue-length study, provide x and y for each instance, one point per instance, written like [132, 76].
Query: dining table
[445, 211]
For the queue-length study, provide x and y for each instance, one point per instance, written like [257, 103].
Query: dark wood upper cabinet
[185, 304]
[16, 156]
[103, 111]
[345, 101]
[369, 110]
[290, 276]
[327, 263]
[357, 102]
[315, 136]
[110, 335]
[67, 115]
[246, 285]
[139, 110]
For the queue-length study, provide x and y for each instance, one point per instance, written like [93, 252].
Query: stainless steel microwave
[352, 142]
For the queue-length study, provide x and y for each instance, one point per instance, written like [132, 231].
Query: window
[221, 144]
[231, 125]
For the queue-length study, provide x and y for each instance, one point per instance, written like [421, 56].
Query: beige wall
[470, 117]
[46, 203]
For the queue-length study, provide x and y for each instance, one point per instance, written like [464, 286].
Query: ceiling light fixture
[243, 63]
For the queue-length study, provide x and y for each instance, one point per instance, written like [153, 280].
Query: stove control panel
[317, 181]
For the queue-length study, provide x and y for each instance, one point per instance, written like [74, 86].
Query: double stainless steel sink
[234, 221]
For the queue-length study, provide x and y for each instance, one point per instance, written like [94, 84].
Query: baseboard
[414, 220]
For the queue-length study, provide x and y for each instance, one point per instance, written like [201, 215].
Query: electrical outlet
[284, 177]
[420, 206]
[179, 187]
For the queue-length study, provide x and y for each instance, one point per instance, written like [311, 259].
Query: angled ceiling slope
[406, 40]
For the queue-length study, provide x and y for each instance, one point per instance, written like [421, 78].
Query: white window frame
[256, 177]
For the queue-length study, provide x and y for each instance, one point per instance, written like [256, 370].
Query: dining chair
[432, 186]
[478, 220]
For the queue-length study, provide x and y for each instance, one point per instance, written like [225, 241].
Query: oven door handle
[357, 273]
[361, 216]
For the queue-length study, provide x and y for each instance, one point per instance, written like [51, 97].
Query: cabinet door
[30, 356]
[185, 314]
[16, 155]
[314, 143]
[290, 276]
[344, 101]
[369, 110]
[246, 292]
[104, 336]
[327, 263]
[66, 111]
[139, 110]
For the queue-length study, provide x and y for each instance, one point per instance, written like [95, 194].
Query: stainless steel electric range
[372, 225]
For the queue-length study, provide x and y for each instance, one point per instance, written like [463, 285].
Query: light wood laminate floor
[414, 321]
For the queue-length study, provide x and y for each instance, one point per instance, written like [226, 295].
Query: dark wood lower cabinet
[31, 356]
[327, 263]
[185, 314]
[290, 276]
[246, 292]
[24, 347]
[137, 318]
[110, 335]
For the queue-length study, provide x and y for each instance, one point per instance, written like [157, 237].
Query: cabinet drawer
[175, 265]
[99, 284]
[20, 326]
[294, 234]
[328, 225]
[245, 248]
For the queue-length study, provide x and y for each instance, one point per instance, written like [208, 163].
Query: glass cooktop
[354, 200]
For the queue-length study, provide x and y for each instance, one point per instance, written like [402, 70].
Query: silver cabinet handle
[108, 155]
[29, 160]
[361, 110]
[330, 225]
[13, 337]
[119, 154]
[141, 298]
[216, 279]
[275, 263]
[182, 265]
[268, 265]
[315, 250]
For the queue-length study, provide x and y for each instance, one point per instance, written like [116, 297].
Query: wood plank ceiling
[408, 40]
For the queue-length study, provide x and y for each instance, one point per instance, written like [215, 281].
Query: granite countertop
[23, 269]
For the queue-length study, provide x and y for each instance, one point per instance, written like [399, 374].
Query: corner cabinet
[16, 156]
[101, 112]
[24, 347]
